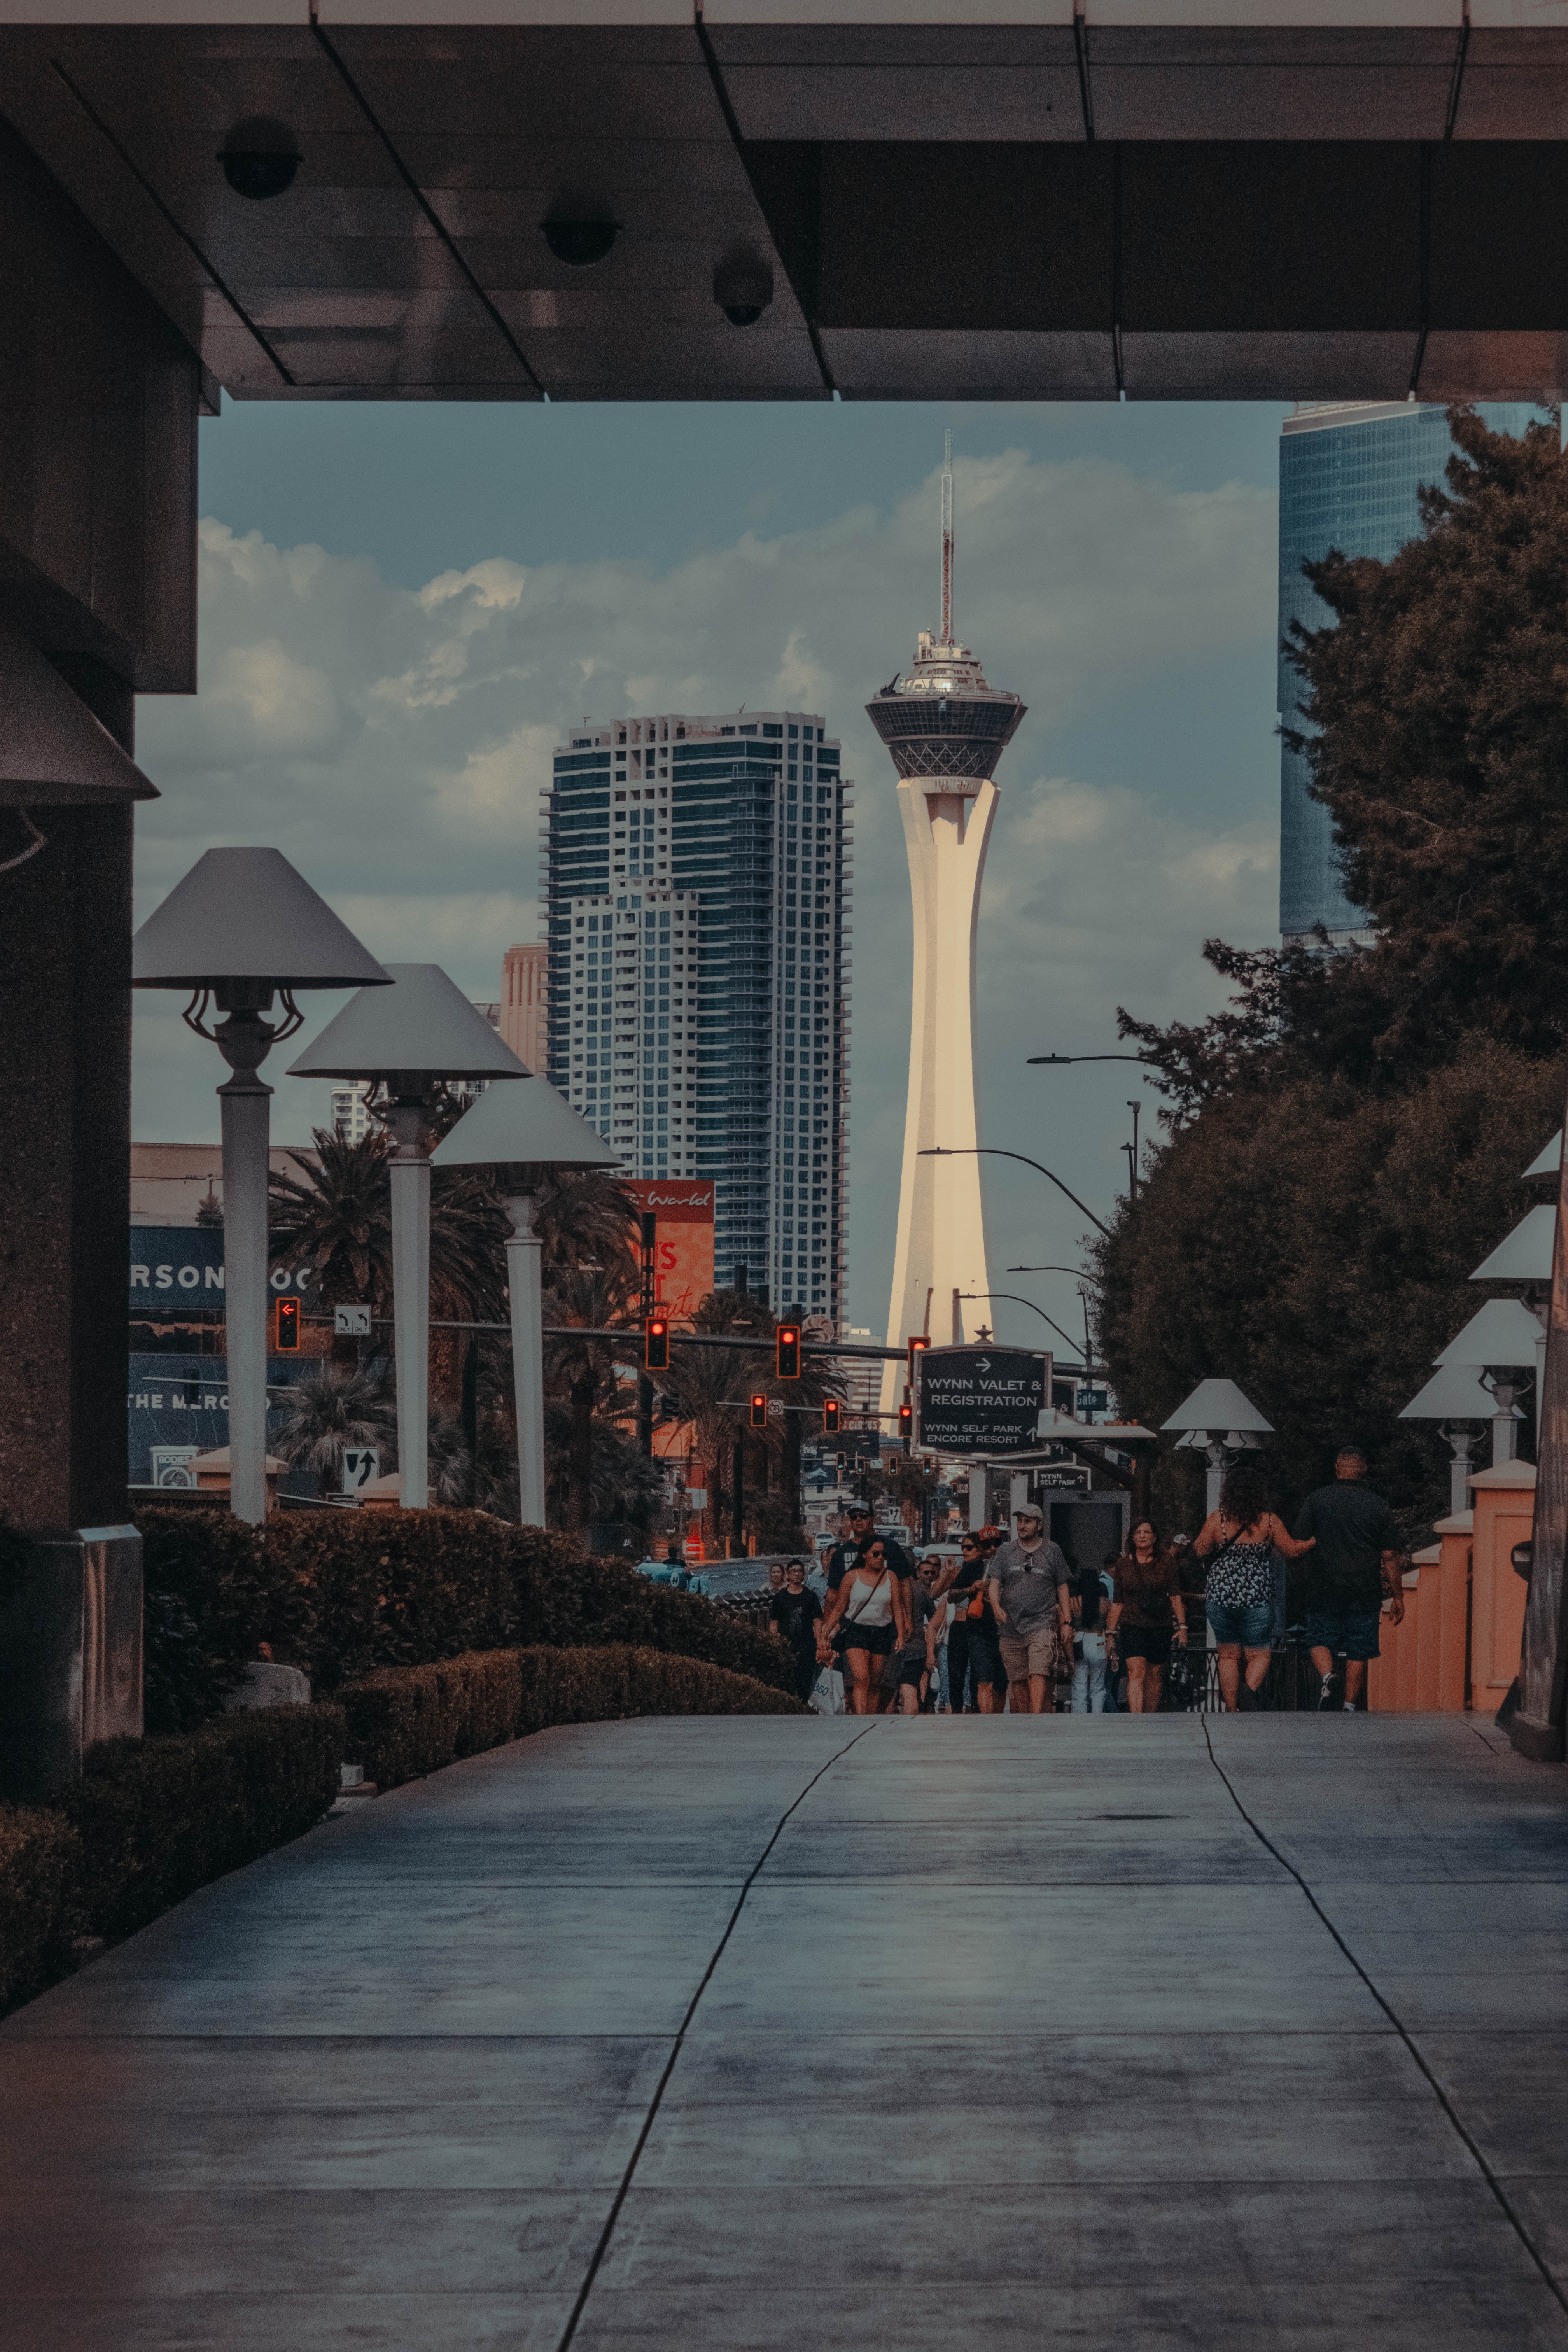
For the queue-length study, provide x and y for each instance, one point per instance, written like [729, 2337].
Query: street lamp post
[1217, 1411]
[418, 1034]
[1456, 1400]
[242, 927]
[995, 1151]
[520, 1131]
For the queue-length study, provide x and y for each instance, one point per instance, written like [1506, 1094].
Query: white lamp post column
[241, 927]
[520, 1131]
[245, 1104]
[408, 1173]
[525, 1285]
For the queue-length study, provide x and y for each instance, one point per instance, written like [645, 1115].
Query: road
[731, 2033]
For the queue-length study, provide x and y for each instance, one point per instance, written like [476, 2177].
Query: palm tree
[337, 1217]
[585, 1218]
[712, 1388]
[590, 1299]
[338, 1405]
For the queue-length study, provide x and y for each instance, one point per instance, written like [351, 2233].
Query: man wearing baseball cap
[1029, 1589]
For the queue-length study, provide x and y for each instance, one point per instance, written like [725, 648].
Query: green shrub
[342, 1593]
[404, 1721]
[39, 1865]
[158, 1818]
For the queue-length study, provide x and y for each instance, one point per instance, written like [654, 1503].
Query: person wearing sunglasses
[870, 1616]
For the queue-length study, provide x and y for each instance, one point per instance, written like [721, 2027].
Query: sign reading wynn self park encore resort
[981, 1400]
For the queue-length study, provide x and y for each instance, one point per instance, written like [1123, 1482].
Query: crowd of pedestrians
[1011, 1624]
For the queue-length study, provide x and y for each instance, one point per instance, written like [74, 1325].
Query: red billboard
[683, 1239]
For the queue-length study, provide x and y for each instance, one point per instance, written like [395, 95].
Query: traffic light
[789, 1351]
[917, 1346]
[287, 1327]
[759, 1411]
[655, 1344]
[841, 1461]
[906, 1424]
[832, 1417]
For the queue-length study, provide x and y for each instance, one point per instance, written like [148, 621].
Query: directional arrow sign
[981, 1400]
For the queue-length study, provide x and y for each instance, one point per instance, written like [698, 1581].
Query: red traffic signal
[917, 1346]
[832, 1416]
[759, 1411]
[655, 1344]
[789, 1351]
[906, 1423]
[287, 1327]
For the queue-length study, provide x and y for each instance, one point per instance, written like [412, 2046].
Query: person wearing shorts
[1239, 1541]
[916, 1661]
[1146, 1608]
[870, 1616]
[1357, 1570]
[1027, 1584]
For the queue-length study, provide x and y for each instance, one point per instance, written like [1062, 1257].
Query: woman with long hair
[1147, 1608]
[973, 1651]
[1237, 1540]
[871, 1616]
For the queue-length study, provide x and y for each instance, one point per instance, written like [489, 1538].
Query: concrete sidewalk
[756, 2033]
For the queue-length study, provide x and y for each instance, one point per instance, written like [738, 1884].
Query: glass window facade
[1350, 477]
[699, 982]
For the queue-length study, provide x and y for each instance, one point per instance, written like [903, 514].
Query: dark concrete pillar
[98, 399]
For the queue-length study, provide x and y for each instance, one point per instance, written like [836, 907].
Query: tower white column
[941, 1246]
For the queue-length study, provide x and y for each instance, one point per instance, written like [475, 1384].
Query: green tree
[335, 1405]
[1345, 1137]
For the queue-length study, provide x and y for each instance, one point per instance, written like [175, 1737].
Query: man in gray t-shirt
[1028, 1587]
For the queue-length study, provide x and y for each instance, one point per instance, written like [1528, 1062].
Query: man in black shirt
[793, 1614]
[860, 1522]
[1354, 1567]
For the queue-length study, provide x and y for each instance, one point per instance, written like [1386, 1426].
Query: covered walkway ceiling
[1168, 198]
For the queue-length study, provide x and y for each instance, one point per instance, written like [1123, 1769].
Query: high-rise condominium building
[524, 992]
[351, 1107]
[1351, 474]
[697, 888]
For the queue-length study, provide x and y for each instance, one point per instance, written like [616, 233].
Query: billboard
[177, 1267]
[180, 1403]
[683, 1238]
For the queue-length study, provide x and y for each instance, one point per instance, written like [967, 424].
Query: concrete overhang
[1162, 198]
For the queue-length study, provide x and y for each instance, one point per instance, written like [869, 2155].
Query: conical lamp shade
[423, 1026]
[1218, 1404]
[1503, 1332]
[1547, 1161]
[53, 752]
[1526, 1254]
[530, 1124]
[247, 914]
[1453, 1394]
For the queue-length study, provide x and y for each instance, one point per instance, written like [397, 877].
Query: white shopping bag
[828, 1692]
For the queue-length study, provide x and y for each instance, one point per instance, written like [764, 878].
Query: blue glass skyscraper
[1349, 475]
[697, 883]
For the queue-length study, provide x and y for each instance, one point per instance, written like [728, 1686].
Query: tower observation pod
[945, 730]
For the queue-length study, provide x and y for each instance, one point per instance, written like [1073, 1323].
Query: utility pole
[1132, 1151]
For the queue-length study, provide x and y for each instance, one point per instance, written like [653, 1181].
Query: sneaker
[1326, 1704]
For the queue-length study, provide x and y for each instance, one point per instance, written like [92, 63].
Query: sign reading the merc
[175, 1267]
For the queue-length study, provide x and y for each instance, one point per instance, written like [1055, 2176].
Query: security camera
[744, 285]
[579, 242]
[260, 158]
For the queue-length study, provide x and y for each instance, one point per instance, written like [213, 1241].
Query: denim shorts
[1347, 1625]
[1250, 1623]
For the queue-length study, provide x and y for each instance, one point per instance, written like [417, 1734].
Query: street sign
[351, 1322]
[981, 1399]
[361, 1464]
[1063, 1476]
[1093, 1400]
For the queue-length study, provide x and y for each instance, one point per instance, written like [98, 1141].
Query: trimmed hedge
[405, 1721]
[151, 1821]
[39, 1860]
[158, 1818]
[343, 1593]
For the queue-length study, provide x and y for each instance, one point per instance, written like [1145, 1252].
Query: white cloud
[392, 742]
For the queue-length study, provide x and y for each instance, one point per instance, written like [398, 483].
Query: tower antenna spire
[947, 539]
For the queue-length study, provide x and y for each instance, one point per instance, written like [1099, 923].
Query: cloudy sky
[402, 608]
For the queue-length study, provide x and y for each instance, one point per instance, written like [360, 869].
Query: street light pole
[995, 1151]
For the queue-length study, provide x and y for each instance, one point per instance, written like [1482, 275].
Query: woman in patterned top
[1238, 1541]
